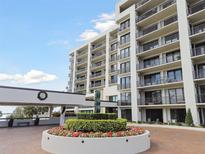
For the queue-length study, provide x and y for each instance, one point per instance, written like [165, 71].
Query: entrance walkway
[164, 141]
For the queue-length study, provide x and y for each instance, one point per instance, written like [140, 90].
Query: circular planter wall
[112, 145]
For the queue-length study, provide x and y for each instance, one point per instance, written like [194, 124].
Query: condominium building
[152, 63]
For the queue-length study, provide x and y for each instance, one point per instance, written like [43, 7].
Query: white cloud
[104, 22]
[31, 77]
[63, 43]
[88, 34]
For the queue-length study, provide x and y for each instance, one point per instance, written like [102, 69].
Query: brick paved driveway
[27, 140]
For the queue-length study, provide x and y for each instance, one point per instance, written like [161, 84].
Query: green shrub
[97, 116]
[96, 125]
[189, 119]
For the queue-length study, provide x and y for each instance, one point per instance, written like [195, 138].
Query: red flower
[109, 134]
[76, 134]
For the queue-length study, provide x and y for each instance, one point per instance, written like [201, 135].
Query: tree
[1, 114]
[18, 113]
[189, 118]
[30, 111]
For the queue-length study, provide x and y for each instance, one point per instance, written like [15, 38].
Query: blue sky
[35, 37]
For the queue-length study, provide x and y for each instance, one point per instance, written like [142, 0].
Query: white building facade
[152, 62]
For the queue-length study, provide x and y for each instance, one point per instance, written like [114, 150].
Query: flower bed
[130, 131]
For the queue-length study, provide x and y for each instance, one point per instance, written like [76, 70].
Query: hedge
[97, 116]
[96, 125]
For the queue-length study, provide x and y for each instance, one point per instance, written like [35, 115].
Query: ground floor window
[202, 116]
[154, 115]
[178, 115]
[127, 114]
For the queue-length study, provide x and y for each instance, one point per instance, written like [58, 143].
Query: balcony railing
[97, 64]
[124, 103]
[198, 7]
[98, 55]
[81, 79]
[141, 3]
[154, 44]
[160, 61]
[158, 82]
[95, 85]
[97, 75]
[81, 70]
[81, 62]
[114, 71]
[98, 46]
[157, 26]
[198, 28]
[200, 74]
[123, 42]
[155, 10]
[175, 99]
[201, 98]
[80, 88]
[199, 50]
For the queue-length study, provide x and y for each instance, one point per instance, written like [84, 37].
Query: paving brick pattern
[27, 140]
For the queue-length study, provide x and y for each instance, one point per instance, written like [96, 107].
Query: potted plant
[11, 121]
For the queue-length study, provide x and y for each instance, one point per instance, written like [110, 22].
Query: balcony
[199, 50]
[80, 63]
[124, 103]
[200, 74]
[113, 71]
[155, 14]
[155, 47]
[124, 43]
[201, 98]
[81, 88]
[162, 101]
[97, 65]
[160, 64]
[97, 85]
[162, 28]
[158, 82]
[97, 75]
[145, 5]
[81, 79]
[98, 55]
[98, 46]
[198, 32]
[79, 71]
[197, 7]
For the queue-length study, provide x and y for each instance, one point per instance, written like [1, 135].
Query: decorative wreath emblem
[42, 95]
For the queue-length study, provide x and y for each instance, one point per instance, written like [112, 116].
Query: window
[150, 29]
[173, 56]
[199, 49]
[113, 68]
[113, 57]
[153, 97]
[174, 75]
[125, 25]
[152, 79]
[114, 47]
[170, 20]
[125, 39]
[113, 98]
[124, 53]
[176, 95]
[113, 79]
[125, 82]
[150, 45]
[201, 70]
[151, 62]
[199, 6]
[125, 67]
[125, 98]
[171, 38]
[199, 28]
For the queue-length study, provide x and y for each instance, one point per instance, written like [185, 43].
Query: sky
[37, 36]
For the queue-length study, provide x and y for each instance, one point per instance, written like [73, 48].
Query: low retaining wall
[114, 145]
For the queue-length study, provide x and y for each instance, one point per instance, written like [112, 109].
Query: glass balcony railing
[198, 28]
[81, 79]
[200, 50]
[124, 103]
[201, 98]
[197, 7]
[98, 55]
[99, 84]
[97, 74]
[97, 64]
[155, 10]
[158, 81]
[94, 47]
[157, 62]
[200, 74]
